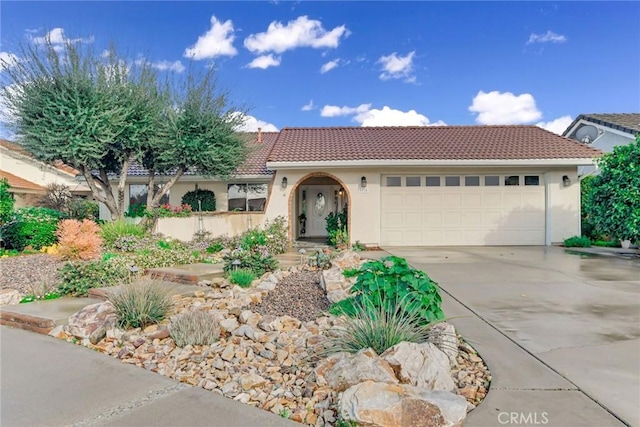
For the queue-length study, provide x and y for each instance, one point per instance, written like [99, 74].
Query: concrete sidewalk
[48, 382]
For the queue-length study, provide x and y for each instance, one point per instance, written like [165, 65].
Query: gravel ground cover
[298, 295]
[22, 272]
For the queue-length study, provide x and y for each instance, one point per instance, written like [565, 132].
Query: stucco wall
[224, 223]
[563, 205]
[36, 172]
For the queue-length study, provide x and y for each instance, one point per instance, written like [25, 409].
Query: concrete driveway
[578, 315]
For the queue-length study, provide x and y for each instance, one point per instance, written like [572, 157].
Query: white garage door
[458, 210]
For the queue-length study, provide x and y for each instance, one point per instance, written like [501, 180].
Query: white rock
[266, 286]
[343, 370]
[446, 340]
[229, 324]
[422, 365]
[9, 297]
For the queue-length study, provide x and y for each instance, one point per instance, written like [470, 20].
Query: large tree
[99, 113]
[614, 205]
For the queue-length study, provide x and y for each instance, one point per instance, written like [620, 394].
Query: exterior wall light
[284, 183]
[566, 181]
[363, 182]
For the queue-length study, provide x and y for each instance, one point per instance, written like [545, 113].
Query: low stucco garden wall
[218, 224]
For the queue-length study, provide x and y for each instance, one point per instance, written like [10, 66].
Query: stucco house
[29, 177]
[423, 186]
[603, 131]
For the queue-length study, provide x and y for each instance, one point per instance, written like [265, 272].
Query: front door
[319, 204]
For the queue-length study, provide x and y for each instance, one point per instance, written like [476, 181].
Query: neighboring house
[29, 177]
[403, 186]
[603, 131]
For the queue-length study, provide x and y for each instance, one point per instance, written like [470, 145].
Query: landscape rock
[346, 260]
[422, 365]
[335, 284]
[9, 297]
[401, 405]
[446, 339]
[343, 370]
[93, 319]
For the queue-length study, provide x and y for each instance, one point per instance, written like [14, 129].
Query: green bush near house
[607, 243]
[577, 242]
[31, 226]
[6, 201]
[78, 277]
[200, 200]
[389, 282]
[258, 261]
[113, 230]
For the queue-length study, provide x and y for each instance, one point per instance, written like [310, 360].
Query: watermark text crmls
[523, 418]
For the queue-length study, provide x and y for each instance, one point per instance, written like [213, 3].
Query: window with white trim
[245, 197]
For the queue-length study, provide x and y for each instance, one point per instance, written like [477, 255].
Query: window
[247, 197]
[471, 181]
[394, 181]
[531, 180]
[492, 181]
[433, 181]
[512, 180]
[138, 195]
[413, 181]
[452, 181]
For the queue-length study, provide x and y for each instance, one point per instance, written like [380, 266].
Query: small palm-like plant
[139, 304]
[195, 327]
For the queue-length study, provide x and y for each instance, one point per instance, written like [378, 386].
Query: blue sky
[372, 63]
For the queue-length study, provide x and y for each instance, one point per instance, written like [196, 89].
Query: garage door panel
[440, 216]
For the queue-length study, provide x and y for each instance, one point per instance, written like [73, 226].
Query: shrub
[607, 243]
[253, 238]
[80, 209]
[258, 260]
[194, 327]
[113, 230]
[42, 286]
[140, 304]
[370, 324]
[241, 277]
[136, 210]
[214, 248]
[277, 235]
[31, 226]
[392, 281]
[200, 200]
[6, 201]
[78, 240]
[154, 257]
[337, 228]
[320, 260]
[77, 277]
[358, 247]
[577, 242]
[167, 210]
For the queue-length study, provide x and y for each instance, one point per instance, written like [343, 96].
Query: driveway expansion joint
[119, 410]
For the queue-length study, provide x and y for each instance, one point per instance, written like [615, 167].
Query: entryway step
[42, 316]
[189, 274]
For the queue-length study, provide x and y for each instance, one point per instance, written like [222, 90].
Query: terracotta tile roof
[625, 122]
[19, 183]
[254, 165]
[425, 143]
[18, 149]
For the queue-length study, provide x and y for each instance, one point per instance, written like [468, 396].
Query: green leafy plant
[390, 281]
[370, 324]
[6, 201]
[241, 277]
[139, 304]
[337, 228]
[31, 226]
[200, 200]
[80, 209]
[77, 277]
[614, 202]
[168, 211]
[195, 327]
[253, 238]
[607, 243]
[214, 248]
[258, 260]
[577, 242]
[358, 247]
[350, 272]
[277, 235]
[113, 230]
[136, 210]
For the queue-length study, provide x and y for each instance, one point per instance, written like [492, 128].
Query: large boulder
[335, 284]
[343, 370]
[445, 338]
[92, 321]
[401, 405]
[9, 297]
[346, 259]
[422, 365]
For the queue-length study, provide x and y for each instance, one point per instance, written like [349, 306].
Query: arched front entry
[312, 199]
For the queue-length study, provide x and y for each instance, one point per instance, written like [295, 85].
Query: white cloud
[548, 37]
[558, 125]
[57, 39]
[364, 115]
[251, 124]
[335, 111]
[397, 67]
[218, 41]
[175, 66]
[329, 66]
[496, 108]
[301, 32]
[391, 117]
[265, 61]
[309, 106]
[7, 60]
